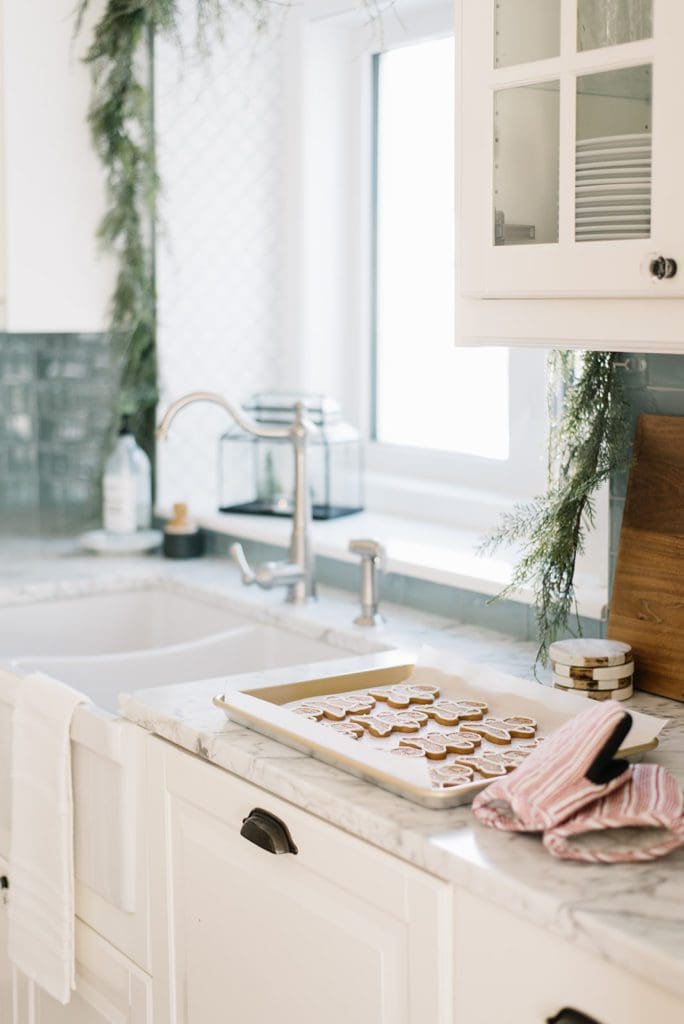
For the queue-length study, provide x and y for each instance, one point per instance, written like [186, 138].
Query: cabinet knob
[569, 1016]
[270, 833]
[662, 267]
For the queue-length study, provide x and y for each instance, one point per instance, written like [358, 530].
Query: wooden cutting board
[647, 606]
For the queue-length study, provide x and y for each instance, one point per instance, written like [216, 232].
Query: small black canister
[182, 537]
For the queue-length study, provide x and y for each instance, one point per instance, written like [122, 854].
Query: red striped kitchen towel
[650, 805]
[574, 767]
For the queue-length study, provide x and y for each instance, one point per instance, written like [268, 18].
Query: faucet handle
[372, 557]
[237, 553]
[370, 549]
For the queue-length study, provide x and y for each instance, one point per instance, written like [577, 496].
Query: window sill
[415, 548]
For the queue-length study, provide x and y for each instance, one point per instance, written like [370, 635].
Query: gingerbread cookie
[487, 732]
[489, 765]
[436, 745]
[383, 723]
[450, 712]
[407, 752]
[514, 756]
[501, 730]
[350, 729]
[433, 751]
[335, 708]
[519, 726]
[450, 776]
[403, 694]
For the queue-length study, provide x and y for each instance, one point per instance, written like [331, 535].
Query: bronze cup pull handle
[569, 1016]
[267, 831]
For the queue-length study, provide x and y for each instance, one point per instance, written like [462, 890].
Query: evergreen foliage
[589, 439]
[122, 127]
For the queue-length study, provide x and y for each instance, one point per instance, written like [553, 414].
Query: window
[457, 431]
[428, 393]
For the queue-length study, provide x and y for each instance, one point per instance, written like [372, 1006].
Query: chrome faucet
[297, 573]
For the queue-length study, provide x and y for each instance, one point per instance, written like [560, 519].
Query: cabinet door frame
[603, 269]
[106, 981]
[181, 785]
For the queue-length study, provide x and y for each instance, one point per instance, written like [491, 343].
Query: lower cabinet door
[336, 933]
[109, 990]
[510, 971]
[5, 970]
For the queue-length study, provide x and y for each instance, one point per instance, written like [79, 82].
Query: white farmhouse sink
[108, 643]
[248, 648]
[130, 620]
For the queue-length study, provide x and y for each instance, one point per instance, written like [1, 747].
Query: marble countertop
[630, 915]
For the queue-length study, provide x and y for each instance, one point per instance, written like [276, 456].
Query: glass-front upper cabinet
[571, 125]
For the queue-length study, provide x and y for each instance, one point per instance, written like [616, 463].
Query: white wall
[224, 246]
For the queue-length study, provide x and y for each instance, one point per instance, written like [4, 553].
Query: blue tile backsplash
[57, 394]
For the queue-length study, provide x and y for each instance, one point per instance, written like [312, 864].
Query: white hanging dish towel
[41, 905]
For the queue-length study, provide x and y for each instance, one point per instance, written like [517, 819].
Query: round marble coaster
[592, 684]
[590, 652]
[623, 693]
[611, 673]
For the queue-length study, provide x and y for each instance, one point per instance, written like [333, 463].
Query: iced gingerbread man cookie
[501, 730]
[450, 712]
[403, 694]
[350, 729]
[335, 708]
[384, 723]
[436, 745]
[450, 776]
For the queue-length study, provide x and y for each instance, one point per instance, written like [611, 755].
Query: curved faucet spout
[232, 408]
[297, 573]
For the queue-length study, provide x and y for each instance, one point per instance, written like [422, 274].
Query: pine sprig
[589, 440]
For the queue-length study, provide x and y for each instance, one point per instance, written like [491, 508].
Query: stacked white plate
[613, 187]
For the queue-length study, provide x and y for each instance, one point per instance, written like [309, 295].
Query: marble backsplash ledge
[57, 397]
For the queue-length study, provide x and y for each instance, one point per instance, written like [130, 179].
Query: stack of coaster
[600, 669]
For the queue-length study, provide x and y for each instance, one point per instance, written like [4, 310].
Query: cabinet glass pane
[526, 30]
[526, 131]
[612, 22]
[613, 155]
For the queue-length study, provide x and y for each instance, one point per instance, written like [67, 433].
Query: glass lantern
[257, 474]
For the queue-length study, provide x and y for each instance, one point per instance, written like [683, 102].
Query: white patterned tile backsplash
[219, 124]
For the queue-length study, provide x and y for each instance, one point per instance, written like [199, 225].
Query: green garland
[589, 440]
[122, 127]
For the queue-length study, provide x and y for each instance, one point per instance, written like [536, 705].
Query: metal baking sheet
[263, 701]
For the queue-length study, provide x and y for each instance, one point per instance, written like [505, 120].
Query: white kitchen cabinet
[109, 990]
[569, 162]
[53, 275]
[5, 969]
[110, 828]
[506, 969]
[337, 932]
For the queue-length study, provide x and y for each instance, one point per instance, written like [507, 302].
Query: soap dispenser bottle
[127, 490]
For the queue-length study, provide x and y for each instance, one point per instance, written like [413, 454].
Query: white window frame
[335, 50]
[328, 92]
